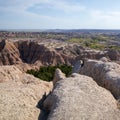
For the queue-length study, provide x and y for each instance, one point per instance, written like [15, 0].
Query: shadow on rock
[44, 112]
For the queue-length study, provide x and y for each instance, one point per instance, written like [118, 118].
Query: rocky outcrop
[77, 66]
[9, 73]
[9, 54]
[114, 54]
[38, 54]
[34, 52]
[104, 59]
[31, 52]
[48, 102]
[80, 98]
[19, 94]
[106, 74]
[77, 97]
[58, 76]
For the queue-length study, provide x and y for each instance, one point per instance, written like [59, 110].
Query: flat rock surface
[80, 98]
[19, 94]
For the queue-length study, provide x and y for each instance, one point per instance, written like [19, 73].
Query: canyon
[33, 54]
[91, 92]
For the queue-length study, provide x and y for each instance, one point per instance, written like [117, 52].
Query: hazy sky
[59, 14]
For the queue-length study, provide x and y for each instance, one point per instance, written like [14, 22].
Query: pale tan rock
[48, 102]
[19, 94]
[80, 98]
[104, 59]
[8, 73]
[106, 74]
[9, 54]
[58, 76]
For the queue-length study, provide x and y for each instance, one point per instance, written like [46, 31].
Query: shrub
[47, 72]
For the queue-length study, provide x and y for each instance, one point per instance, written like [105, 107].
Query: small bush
[47, 72]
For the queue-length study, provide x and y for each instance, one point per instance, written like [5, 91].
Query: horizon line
[52, 29]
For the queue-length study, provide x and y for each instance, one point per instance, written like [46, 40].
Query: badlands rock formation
[19, 94]
[106, 74]
[9, 54]
[80, 98]
[37, 53]
[114, 54]
[32, 52]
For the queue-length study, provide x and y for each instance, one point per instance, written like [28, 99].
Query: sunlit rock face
[9, 54]
[19, 94]
[106, 74]
[36, 54]
[79, 97]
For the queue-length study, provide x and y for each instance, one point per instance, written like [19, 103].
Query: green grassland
[89, 42]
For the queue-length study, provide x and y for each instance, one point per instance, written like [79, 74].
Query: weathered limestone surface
[19, 94]
[58, 76]
[106, 74]
[80, 98]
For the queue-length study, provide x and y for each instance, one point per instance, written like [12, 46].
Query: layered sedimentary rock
[106, 74]
[9, 54]
[19, 94]
[38, 53]
[80, 98]
[31, 52]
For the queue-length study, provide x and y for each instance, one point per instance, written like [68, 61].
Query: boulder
[80, 98]
[106, 74]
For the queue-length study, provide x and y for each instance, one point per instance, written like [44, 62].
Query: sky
[59, 14]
